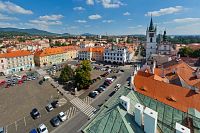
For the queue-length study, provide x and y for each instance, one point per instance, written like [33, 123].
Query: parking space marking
[16, 125]
[24, 121]
[6, 130]
[88, 100]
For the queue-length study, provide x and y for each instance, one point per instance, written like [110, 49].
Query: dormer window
[171, 98]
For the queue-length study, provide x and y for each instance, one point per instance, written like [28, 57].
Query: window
[165, 47]
[151, 40]
[1, 61]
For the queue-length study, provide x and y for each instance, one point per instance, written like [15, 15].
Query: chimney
[125, 102]
[139, 113]
[154, 66]
[150, 120]
[181, 129]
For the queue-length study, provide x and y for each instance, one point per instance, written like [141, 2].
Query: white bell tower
[151, 44]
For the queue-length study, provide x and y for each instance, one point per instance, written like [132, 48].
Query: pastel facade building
[95, 53]
[50, 56]
[16, 61]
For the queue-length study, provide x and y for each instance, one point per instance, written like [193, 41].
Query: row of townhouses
[115, 54]
[14, 61]
[21, 60]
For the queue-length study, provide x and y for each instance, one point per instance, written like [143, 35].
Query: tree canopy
[82, 76]
[67, 74]
[188, 52]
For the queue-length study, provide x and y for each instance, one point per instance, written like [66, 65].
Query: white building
[151, 43]
[119, 55]
[87, 44]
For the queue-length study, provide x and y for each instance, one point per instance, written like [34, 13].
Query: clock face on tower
[151, 34]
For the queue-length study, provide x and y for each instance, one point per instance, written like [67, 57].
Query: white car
[118, 85]
[42, 129]
[96, 92]
[62, 116]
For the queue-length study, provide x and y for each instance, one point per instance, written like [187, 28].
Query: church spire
[165, 36]
[151, 27]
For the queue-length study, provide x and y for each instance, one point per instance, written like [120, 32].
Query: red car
[20, 81]
[2, 82]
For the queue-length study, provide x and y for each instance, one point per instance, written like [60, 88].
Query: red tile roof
[56, 50]
[182, 69]
[181, 98]
[16, 54]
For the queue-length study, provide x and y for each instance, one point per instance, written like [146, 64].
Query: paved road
[75, 124]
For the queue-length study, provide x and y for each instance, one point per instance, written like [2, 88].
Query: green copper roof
[112, 118]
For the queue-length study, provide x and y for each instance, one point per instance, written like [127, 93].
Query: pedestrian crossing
[83, 107]
[62, 101]
[71, 112]
[88, 100]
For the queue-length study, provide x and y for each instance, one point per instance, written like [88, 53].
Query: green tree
[185, 52]
[82, 75]
[66, 74]
[85, 65]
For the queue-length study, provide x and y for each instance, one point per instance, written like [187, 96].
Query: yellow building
[50, 56]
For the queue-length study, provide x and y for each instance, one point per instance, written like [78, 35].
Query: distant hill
[32, 32]
[87, 34]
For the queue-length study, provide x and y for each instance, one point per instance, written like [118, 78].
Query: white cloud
[165, 11]
[130, 19]
[13, 8]
[6, 18]
[47, 23]
[108, 21]
[81, 21]
[51, 17]
[134, 27]
[79, 8]
[6, 25]
[126, 13]
[44, 22]
[90, 2]
[186, 20]
[94, 17]
[111, 3]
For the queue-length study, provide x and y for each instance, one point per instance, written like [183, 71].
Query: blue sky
[113, 17]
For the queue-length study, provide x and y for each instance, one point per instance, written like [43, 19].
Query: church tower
[151, 43]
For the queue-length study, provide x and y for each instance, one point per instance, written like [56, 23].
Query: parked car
[62, 116]
[33, 131]
[114, 77]
[55, 104]
[35, 113]
[106, 83]
[112, 93]
[49, 107]
[41, 82]
[96, 92]
[2, 130]
[42, 129]
[118, 86]
[33, 77]
[92, 95]
[122, 70]
[55, 121]
[100, 89]
[103, 86]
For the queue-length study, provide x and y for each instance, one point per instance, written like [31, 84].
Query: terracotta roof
[16, 54]
[56, 50]
[161, 91]
[181, 69]
[93, 49]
